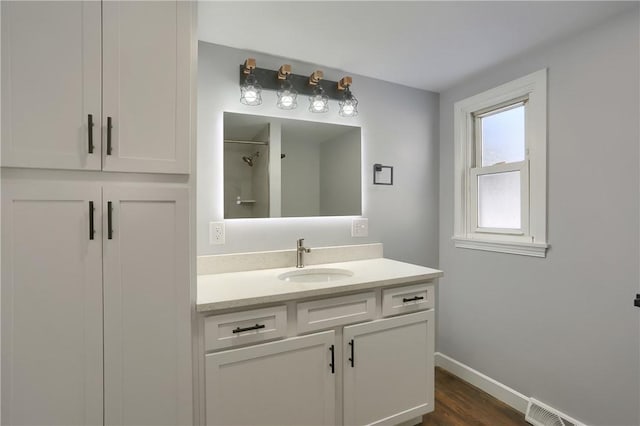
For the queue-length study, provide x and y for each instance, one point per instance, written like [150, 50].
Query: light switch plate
[360, 227]
[216, 233]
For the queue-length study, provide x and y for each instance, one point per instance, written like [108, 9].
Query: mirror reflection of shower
[246, 170]
[249, 159]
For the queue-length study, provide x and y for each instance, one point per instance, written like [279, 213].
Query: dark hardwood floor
[457, 403]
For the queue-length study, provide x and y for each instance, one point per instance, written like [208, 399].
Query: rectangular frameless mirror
[278, 167]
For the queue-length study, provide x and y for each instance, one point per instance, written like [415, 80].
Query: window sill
[523, 249]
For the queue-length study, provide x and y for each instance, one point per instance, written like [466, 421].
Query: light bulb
[347, 110]
[319, 102]
[286, 100]
[250, 95]
[348, 105]
[250, 91]
[287, 96]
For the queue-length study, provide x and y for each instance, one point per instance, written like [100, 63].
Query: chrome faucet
[300, 253]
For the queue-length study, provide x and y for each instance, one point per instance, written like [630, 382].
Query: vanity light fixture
[349, 103]
[287, 95]
[319, 101]
[288, 86]
[250, 90]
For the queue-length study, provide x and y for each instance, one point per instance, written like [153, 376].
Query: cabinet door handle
[412, 299]
[109, 220]
[333, 360]
[109, 127]
[254, 327]
[352, 359]
[92, 230]
[90, 132]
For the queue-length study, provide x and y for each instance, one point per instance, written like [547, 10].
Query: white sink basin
[316, 275]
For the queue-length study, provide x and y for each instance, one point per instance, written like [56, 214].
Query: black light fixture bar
[268, 79]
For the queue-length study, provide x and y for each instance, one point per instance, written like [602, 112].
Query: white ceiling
[429, 45]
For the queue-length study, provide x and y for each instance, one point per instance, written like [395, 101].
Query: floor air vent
[539, 414]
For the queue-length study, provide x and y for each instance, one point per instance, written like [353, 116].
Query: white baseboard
[494, 388]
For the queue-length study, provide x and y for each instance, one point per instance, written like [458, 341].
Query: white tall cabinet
[146, 84]
[96, 295]
[73, 254]
[147, 329]
[96, 86]
[51, 84]
[51, 305]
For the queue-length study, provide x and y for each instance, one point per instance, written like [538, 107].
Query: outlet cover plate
[216, 233]
[360, 227]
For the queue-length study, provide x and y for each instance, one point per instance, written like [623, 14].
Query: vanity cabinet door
[388, 369]
[147, 319]
[289, 382]
[147, 85]
[51, 58]
[51, 304]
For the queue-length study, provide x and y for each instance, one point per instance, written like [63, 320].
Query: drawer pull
[411, 299]
[333, 360]
[255, 327]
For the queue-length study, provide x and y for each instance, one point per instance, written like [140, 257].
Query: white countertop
[244, 289]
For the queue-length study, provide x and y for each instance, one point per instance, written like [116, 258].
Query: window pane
[503, 137]
[499, 200]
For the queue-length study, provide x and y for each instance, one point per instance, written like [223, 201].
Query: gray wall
[561, 329]
[399, 128]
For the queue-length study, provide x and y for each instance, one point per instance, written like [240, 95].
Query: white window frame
[520, 166]
[531, 238]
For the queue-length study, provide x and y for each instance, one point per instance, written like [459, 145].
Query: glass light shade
[287, 96]
[319, 102]
[251, 91]
[348, 105]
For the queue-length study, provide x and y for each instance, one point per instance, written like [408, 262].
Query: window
[500, 168]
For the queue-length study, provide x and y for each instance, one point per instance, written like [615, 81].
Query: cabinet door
[51, 305]
[391, 377]
[147, 55]
[147, 321]
[51, 59]
[289, 382]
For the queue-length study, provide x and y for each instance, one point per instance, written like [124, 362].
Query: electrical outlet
[216, 232]
[360, 227]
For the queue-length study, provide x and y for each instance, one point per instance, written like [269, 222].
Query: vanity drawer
[400, 300]
[239, 328]
[327, 313]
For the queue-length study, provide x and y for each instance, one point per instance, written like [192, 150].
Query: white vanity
[346, 342]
